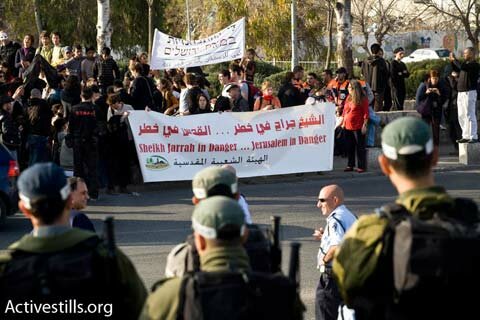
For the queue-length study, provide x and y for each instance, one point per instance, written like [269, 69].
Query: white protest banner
[289, 140]
[169, 52]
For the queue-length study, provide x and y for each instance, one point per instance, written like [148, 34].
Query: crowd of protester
[69, 105]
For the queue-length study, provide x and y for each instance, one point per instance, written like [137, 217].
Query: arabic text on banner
[290, 140]
[169, 52]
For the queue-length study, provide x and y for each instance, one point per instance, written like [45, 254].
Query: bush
[263, 71]
[276, 79]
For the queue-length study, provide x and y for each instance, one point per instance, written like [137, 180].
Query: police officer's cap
[406, 136]
[211, 215]
[210, 177]
[42, 181]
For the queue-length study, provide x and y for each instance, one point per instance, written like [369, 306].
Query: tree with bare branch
[466, 11]
[378, 17]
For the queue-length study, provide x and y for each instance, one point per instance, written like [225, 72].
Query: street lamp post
[294, 34]
[150, 31]
[189, 35]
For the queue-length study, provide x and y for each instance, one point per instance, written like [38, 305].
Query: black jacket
[141, 93]
[7, 54]
[192, 99]
[375, 71]
[83, 122]
[398, 72]
[290, 95]
[468, 77]
[39, 117]
[106, 71]
[9, 131]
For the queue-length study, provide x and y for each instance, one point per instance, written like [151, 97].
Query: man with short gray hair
[339, 220]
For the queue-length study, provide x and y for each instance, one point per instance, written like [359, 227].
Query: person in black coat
[39, 128]
[399, 73]
[83, 134]
[431, 95]
[375, 71]
[25, 55]
[8, 50]
[9, 131]
[288, 94]
[142, 90]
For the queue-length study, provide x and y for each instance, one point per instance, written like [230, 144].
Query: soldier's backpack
[426, 262]
[77, 273]
[237, 295]
[184, 257]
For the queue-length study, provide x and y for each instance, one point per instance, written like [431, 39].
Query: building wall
[454, 41]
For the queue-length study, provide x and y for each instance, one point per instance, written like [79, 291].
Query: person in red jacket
[355, 120]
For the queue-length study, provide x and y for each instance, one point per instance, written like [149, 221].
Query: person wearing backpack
[219, 181]
[339, 220]
[414, 258]
[225, 288]
[55, 263]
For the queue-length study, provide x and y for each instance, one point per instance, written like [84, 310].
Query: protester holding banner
[203, 104]
[249, 66]
[237, 100]
[141, 89]
[118, 158]
[226, 45]
[266, 143]
[170, 103]
[191, 95]
[289, 94]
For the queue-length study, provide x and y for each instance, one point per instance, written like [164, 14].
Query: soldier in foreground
[56, 264]
[225, 288]
[218, 181]
[412, 259]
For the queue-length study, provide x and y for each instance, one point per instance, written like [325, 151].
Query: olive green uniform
[358, 255]
[133, 292]
[163, 302]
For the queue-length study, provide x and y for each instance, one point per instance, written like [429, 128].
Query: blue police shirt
[338, 222]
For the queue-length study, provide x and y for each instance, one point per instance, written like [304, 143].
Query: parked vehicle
[427, 54]
[9, 173]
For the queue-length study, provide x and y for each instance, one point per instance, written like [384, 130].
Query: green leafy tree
[76, 21]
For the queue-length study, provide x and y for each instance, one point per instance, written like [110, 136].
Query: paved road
[149, 225]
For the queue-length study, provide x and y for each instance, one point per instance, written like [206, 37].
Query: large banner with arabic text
[170, 53]
[289, 140]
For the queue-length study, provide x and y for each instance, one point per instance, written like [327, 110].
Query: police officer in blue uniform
[339, 220]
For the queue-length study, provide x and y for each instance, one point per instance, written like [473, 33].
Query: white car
[427, 54]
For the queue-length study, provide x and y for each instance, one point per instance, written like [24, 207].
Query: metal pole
[294, 34]
[150, 4]
[189, 35]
